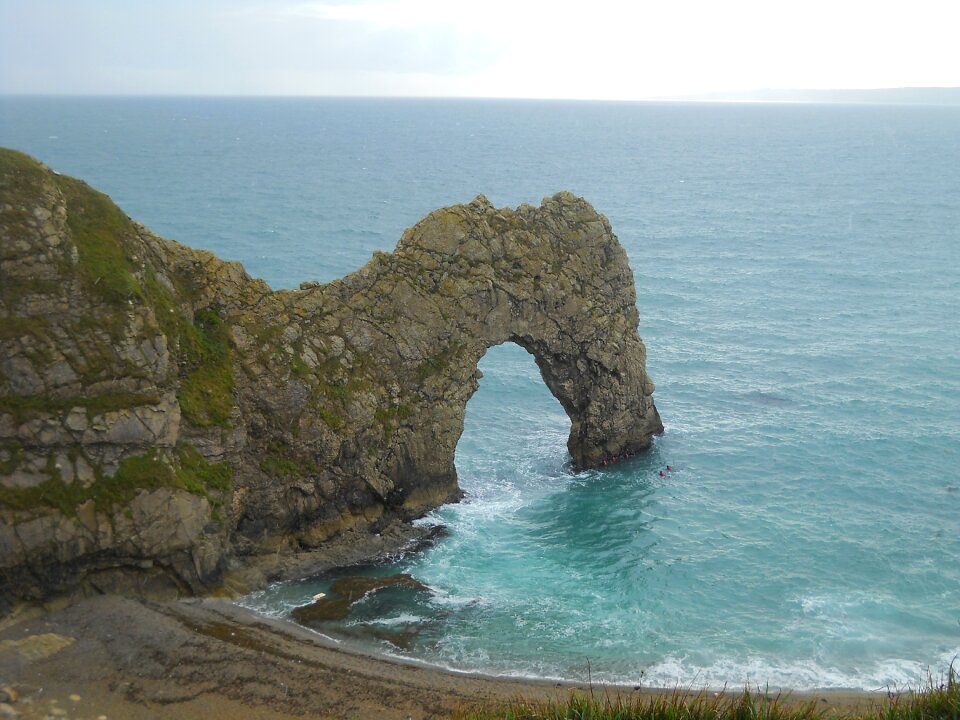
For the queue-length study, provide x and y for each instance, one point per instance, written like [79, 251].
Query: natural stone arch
[554, 280]
[201, 417]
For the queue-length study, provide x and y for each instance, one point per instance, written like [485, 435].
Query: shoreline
[209, 659]
[360, 649]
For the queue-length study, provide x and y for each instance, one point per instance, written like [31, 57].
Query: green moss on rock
[14, 289]
[387, 416]
[199, 476]
[438, 363]
[280, 460]
[23, 408]
[12, 457]
[22, 180]
[134, 474]
[186, 470]
[206, 393]
[98, 227]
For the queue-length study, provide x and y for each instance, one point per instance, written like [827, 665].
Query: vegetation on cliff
[90, 279]
[185, 469]
[206, 390]
[101, 233]
[145, 385]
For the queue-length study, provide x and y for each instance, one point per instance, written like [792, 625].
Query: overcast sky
[604, 49]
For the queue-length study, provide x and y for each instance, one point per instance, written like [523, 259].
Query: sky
[591, 49]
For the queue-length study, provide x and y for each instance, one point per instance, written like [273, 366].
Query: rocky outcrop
[162, 414]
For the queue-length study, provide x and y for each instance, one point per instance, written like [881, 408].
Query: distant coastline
[918, 96]
[939, 96]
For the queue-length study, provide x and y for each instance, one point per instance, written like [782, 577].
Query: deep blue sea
[798, 281]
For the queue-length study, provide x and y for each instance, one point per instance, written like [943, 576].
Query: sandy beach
[111, 657]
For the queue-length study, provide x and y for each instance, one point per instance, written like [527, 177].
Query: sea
[798, 280]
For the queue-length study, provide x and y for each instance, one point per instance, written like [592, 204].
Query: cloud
[420, 36]
[511, 48]
[415, 13]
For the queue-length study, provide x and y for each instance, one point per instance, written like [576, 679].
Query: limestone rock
[162, 414]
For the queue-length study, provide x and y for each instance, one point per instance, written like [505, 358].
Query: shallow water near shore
[798, 286]
[691, 578]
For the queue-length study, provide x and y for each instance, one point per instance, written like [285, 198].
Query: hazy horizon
[948, 96]
[607, 50]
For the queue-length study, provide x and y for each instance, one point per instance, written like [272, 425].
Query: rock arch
[554, 280]
[162, 412]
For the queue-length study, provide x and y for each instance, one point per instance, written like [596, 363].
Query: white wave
[402, 619]
[885, 674]
[444, 600]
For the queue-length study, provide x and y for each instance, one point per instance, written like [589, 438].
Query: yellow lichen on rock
[37, 647]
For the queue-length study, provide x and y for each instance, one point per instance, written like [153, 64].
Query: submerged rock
[348, 591]
[164, 416]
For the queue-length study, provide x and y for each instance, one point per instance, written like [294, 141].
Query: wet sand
[111, 657]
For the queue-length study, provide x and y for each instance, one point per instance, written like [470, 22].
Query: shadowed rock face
[163, 414]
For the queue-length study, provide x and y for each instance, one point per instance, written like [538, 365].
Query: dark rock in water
[428, 540]
[403, 638]
[348, 590]
[323, 610]
[357, 586]
[436, 532]
[164, 416]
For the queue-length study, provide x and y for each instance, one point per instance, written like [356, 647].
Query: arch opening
[513, 419]
[552, 280]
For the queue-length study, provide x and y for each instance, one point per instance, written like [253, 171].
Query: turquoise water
[798, 279]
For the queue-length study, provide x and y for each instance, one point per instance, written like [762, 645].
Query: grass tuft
[206, 393]
[279, 460]
[98, 227]
[938, 701]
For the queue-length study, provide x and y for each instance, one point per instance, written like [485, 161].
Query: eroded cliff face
[163, 414]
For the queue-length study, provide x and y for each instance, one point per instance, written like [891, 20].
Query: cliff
[163, 415]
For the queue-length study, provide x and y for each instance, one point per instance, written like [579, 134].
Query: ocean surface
[798, 281]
